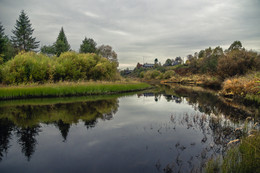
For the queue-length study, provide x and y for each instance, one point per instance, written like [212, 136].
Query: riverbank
[62, 89]
[242, 156]
[199, 80]
[247, 86]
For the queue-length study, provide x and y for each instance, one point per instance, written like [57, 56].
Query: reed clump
[243, 86]
[243, 157]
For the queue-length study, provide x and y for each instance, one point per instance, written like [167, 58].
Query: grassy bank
[69, 89]
[239, 158]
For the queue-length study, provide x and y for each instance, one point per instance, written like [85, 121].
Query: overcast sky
[141, 29]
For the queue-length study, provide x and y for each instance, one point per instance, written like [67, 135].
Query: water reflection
[206, 101]
[27, 139]
[25, 121]
[6, 128]
[170, 129]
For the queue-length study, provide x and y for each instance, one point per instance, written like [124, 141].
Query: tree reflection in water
[25, 121]
[27, 139]
[6, 128]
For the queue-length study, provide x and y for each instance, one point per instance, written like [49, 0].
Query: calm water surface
[164, 131]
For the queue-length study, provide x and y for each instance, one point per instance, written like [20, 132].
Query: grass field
[69, 89]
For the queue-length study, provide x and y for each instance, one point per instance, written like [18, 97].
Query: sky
[141, 30]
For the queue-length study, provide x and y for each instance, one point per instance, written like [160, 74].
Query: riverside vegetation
[57, 70]
[235, 71]
[37, 75]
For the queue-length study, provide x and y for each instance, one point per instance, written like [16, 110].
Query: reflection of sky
[139, 137]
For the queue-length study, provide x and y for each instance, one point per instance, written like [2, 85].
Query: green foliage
[168, 62]
[22, 39]
[6, 48]
[236, 45]
[26, 67]
[2, 40]
[70, 66]
[63, 89]
[168, 74]
[141, 75]
[234, 61]
[88, 46]
[49, 50]
[73, 66]
[152, 74]
[61, 44]
[104, 70]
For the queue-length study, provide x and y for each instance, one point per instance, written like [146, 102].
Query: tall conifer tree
[2, 39]
[23, 39]
[61, 44]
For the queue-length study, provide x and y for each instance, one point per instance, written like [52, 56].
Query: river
[167, 129]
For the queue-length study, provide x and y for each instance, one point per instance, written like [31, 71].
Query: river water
[169, 129]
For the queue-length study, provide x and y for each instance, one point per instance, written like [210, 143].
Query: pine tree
[6, 48]
[23, 39]
[88, 46]
[2, 39]
[61, 44]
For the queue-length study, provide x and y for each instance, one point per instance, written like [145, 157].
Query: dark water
[167, 130]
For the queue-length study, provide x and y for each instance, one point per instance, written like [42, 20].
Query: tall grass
[242, 158]
[69, 89]
[242, 85]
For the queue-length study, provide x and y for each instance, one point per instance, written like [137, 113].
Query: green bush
[27, 67]
[70, 66]
[168, 74]
[152, 74]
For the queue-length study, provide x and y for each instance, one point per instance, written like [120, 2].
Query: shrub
[237, 62]
[70, 66]
[27, 67]
[168, 74]
[242, 85]
[103, 70]
[152, 74]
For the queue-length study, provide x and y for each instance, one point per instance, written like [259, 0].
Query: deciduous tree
[107, 52]
[236, 45]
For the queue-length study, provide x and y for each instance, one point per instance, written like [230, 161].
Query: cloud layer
[141, 29]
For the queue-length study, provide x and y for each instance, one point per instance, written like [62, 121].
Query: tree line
[215, 62]
[23, 40]
[236, 60]
[19, 62]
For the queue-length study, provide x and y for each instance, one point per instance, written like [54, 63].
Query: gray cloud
[140, 29]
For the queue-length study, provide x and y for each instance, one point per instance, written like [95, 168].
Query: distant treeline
[234, 61]
[27, 67]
